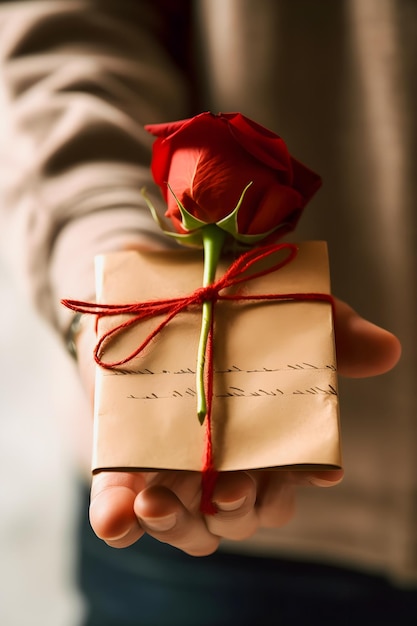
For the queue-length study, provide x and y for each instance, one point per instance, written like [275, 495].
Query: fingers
[123, 507]
[163, 516]
[235, 498]
[112, 515]
[276, 500]
[363, 349]
[277, 492]
[324, 478]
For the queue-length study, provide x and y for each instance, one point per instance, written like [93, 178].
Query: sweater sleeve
[79, 79]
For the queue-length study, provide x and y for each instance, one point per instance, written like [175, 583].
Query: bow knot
[209, 293]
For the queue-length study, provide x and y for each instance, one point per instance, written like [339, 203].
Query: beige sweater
[80, 78]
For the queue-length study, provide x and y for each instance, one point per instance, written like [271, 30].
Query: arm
[79, 79]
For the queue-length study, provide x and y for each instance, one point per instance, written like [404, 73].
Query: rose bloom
[208, 160]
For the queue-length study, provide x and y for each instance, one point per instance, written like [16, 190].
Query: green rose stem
[213, 240]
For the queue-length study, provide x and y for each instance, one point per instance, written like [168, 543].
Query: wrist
[72, 334]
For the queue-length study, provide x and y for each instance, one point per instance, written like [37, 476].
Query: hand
[125, 505]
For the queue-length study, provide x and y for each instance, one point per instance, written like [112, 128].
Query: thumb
[363, 349]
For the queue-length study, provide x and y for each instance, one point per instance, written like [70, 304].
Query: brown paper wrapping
[275, 399]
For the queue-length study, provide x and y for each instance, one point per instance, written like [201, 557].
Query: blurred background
[37, 470]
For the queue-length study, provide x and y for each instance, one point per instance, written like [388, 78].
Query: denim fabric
[152, 584]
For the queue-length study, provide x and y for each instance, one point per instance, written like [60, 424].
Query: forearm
[79, 81]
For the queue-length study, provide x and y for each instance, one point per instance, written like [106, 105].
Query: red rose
[209, 160]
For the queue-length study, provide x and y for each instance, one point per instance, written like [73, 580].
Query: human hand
[125, 505]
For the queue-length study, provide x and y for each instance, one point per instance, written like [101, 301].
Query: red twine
[170, 307]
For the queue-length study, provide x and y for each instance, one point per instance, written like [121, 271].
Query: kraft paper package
[275, 402]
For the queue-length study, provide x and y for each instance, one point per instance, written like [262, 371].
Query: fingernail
[118, 537]
[160, 523]
[231, 506]
[321, 482]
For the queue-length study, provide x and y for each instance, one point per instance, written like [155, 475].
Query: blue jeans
[152, 584]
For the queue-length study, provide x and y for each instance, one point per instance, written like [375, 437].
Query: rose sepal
[252, 240]
[188, 221]
[230, 224]
[192, 239]
[194, 226]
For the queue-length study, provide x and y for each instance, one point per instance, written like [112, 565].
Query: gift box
[275, 400]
